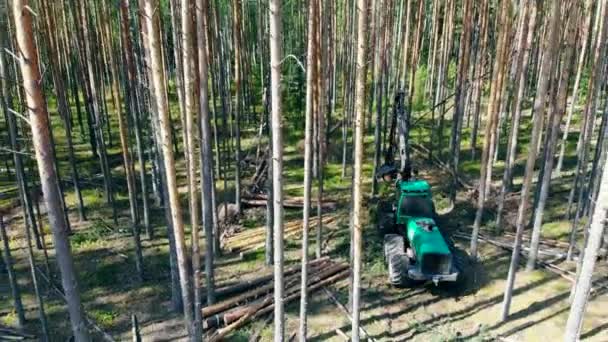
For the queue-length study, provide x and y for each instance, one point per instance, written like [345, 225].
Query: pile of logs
[253, 240]
[253, 299]
[260, 200]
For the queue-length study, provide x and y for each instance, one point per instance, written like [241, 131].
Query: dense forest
[257, 170]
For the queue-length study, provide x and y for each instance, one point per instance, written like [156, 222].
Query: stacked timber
[253, 299]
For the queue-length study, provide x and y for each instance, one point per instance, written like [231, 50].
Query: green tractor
[414, 247]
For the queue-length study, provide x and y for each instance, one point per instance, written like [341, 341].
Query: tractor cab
[413, 199]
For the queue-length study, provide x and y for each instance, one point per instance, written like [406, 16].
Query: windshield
[416, 206]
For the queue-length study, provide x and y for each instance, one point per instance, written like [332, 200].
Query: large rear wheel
[393, 244]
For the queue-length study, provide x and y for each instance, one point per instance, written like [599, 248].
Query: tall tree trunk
[207, 182]
[358, 166]
[322, 105]
[276, 56]
[492, 120]
[132, 96]
[191, 134]
[96, 110]
[593, 91]
[583, 285]
[62, 101]
[39, 121]
[123, 130]
[462, 83]
[480, 71]
[160, 92]
[238, 59]
[521, 72]
[556, 112]
[551, 44]
[581, 63]
[311, 78]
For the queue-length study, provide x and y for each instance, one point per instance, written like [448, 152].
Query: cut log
[254, 293]
[266, 305]
[260, 200]
[251, 283]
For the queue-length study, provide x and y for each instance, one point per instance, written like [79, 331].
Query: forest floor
[103, 253]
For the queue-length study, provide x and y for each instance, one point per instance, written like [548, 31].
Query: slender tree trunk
[159, 81]
[96, 110]
[480, 70]
[63, 106]
[593, 91]
[492, 121]
[462, 83]
[358, 169]
[191, 134]
[207, 182]
[583, 285]
[311, 75]
[238, 59]
[581, 63]
[321, 91]
[377, 90]
[556, 112]
[276, 55]
[551, 44]
[507, 180]
[123, 130]
[41, 140]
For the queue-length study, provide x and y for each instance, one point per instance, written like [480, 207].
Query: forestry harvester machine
[415, 249]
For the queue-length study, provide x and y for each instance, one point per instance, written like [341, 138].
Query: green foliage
[104, 317]
[97, 231]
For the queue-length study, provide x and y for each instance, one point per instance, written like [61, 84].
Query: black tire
[398, 265]
[393, 245]
[386, 223]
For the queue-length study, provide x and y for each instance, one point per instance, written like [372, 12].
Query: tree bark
[276, 56]
[39, 120]
[238, 59]
[556, 112]
[583, 285]
[207, 182]
[311, 75]
[160, 96]
[358, 166]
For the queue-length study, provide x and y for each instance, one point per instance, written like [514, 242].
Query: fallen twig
[345, 311]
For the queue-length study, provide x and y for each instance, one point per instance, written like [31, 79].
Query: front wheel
[397, 269]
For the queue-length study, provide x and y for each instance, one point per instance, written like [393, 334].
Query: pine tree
[39, 121]
[160, 96]
[358, 165]
[276, 56]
